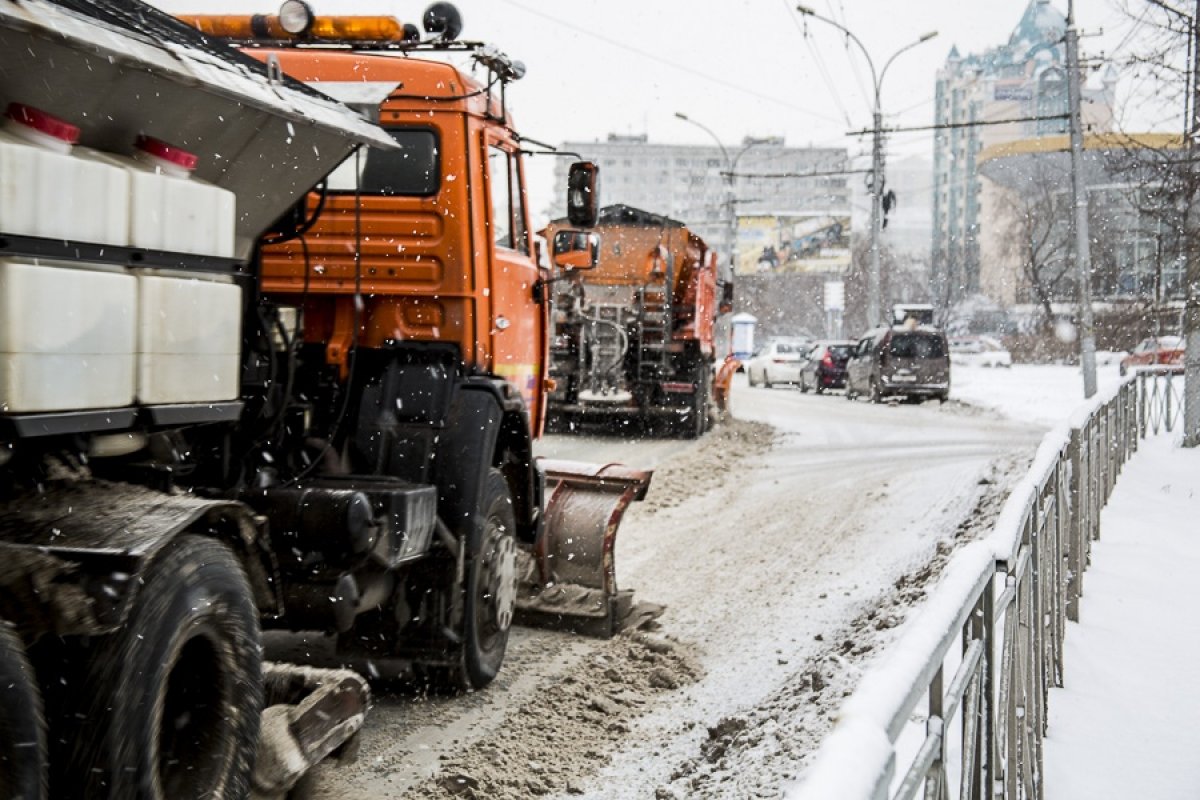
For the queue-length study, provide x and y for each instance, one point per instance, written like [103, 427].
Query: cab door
[518, 322]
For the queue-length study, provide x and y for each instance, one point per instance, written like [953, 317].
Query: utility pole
[1083, 257]
[1191, 318]
[874, 290]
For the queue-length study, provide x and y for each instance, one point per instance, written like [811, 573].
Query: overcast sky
[741, 67]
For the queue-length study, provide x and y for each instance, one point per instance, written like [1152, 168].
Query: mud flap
[570, 581]
[723, 380]
[309, 714]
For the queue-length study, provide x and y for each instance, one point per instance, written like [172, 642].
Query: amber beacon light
[296, 21]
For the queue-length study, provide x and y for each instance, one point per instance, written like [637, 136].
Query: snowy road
[786, 546]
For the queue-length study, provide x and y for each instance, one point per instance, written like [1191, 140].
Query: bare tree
[948, 283]
[1037, 239]
[900, 280]
[1164, 56]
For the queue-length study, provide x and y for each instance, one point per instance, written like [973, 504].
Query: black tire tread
[194, 583]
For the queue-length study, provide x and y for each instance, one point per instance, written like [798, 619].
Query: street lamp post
[874, 310]
[729, 205]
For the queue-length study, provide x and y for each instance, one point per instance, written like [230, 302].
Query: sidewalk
[1127, 722]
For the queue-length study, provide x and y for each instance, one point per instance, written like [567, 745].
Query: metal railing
[1160, 393]
[958, 708]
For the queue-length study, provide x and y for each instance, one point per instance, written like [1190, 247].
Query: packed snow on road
[788, 546]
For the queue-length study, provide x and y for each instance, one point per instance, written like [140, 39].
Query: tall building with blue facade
[1024, 79]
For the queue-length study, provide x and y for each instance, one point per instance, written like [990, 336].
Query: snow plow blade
[570, 583]
[310, 713]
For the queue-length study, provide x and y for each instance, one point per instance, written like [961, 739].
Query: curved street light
[728, 177]
[874, 312]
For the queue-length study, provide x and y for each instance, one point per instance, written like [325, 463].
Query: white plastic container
[171, 210]
[50, 188]
[189, 339]
[68, 337]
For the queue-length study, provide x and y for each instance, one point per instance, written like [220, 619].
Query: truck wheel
[490, 596]
[22, 726]
[491, 583]
[695, 420]
[876, 394]
[169, 706]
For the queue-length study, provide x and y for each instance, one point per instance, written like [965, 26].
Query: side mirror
[575, 249]
[583, 194]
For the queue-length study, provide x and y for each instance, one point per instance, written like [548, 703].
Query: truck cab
[446, 250]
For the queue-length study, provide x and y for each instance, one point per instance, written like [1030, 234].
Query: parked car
[825, 367]
[907, 362]
[1155, 350]
[979, 351]
[778, 361]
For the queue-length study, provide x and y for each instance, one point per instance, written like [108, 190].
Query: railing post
[1076, 541]
[935, 779]
[1168, 418]
[989, 703]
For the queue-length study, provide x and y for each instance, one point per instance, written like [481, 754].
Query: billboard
[781, 243]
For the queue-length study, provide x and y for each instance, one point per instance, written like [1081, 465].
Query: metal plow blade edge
[570, 583]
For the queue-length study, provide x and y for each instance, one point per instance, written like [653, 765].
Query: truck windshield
[413, 170]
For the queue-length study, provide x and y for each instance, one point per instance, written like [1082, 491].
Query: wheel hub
[502, 579]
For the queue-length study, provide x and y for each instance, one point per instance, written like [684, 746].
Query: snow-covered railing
[957, 709]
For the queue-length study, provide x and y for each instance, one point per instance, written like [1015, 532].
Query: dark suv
[907, 362]
[826, 366]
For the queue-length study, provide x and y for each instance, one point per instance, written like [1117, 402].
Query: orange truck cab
[445, 249]
[407, 294]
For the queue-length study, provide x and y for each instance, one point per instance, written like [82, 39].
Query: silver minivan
[900, 362]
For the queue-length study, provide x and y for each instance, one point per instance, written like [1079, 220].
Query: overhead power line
[667, 62]
[944, 126]
[828, 174]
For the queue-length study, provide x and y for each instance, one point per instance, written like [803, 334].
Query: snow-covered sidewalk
[1127, 722]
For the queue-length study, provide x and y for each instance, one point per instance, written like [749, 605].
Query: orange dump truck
[633, 334]
[265, 362]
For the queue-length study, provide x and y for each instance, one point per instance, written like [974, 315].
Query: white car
[777, 361]
[979, 351]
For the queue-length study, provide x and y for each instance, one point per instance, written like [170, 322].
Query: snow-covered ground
[1042, 394]
[790, 547]
[1124, 723]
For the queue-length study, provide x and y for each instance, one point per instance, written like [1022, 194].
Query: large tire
[876, 394]
[168, 706]
[695, 421]
[22, 726]
[804, 386]
[491, 583]
[489, 599]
